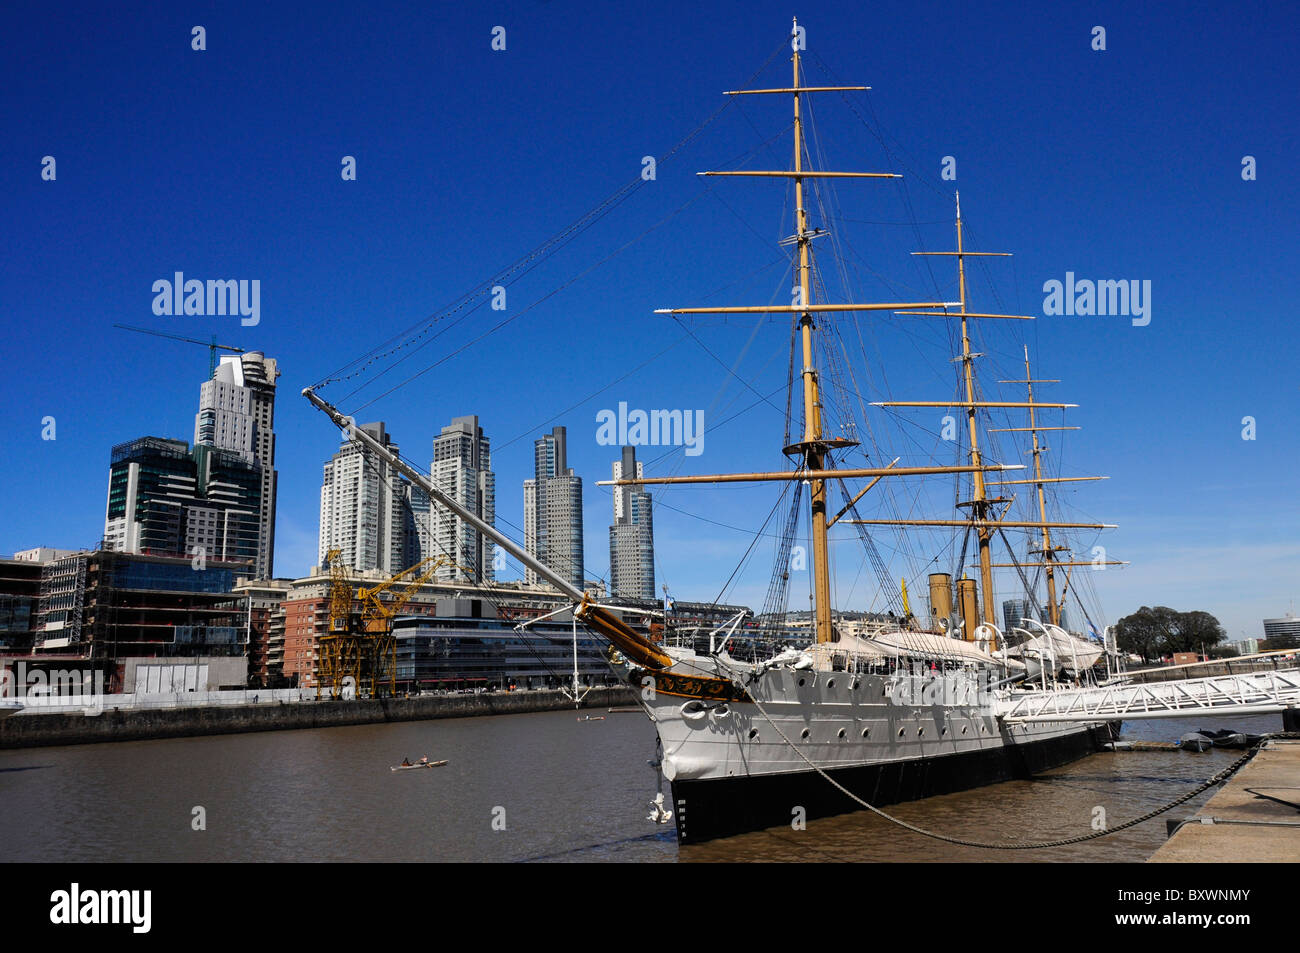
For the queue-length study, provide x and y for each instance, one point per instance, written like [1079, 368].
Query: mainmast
[981, 505]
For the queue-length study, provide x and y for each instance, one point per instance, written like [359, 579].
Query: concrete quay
[33, 730]
[1255, 816]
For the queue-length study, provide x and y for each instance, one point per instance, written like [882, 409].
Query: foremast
[982, 517]
[812, 451]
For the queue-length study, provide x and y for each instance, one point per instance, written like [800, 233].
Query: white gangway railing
[1244, 694]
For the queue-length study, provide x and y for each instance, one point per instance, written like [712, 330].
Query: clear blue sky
[225, 163]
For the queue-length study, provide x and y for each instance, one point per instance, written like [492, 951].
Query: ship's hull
[722, 807]
[747, 758]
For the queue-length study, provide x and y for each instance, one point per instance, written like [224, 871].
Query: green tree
[1155, 632]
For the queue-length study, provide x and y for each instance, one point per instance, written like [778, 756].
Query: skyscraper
[553, 510]
[168, 499]
[1013, 610]
[631, 537]
[237, 413]
[363, 509]
[462, 469]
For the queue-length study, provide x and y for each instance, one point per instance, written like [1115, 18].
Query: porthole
[964, 729]
[944, 731]
[753, 734]
[856, 683]
[842, 733]
[901, 731]
[804, 734]
[920, 732]
[865, 732]
[802, 682]
[831, 683]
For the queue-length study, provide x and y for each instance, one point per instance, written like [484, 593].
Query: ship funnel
[940, 599]
[968, 599]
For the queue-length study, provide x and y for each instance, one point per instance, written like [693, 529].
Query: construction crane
[377, 616]
[362, 648]
[340, 650]
[212, 345]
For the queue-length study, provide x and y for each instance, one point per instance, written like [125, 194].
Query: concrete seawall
[41, 729]
[1252, 818]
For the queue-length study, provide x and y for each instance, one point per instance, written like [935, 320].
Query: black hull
[709, 809]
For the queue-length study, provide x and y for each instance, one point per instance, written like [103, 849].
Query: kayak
[422, 764]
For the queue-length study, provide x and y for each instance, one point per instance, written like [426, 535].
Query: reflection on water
[565, 791]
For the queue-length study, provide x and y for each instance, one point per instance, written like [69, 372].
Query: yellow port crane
[364, 649]
[341, 651]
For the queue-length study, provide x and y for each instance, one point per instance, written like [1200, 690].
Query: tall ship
[906, 705]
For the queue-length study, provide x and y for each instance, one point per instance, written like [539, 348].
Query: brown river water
[563, 790]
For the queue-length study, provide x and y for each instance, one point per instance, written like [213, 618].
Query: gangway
[1250, 693]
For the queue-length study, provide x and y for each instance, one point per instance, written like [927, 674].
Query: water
[571, 791]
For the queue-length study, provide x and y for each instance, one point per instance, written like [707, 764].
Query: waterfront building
[306, 612]
[118, 607]
[265, 607]
[553, 510]
[462, 469]
[20, 591]
[363, 507]
[237, 413]
[166, 498]
[42, 554]
[1283, 633]
[463, 644]
[631, 536]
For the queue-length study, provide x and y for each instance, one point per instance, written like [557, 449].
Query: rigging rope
[776, 606]
[528, 261]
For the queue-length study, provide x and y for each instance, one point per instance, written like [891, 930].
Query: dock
[36, 728]
[1254, 817]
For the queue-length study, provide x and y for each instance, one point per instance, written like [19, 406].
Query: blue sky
[225, 163]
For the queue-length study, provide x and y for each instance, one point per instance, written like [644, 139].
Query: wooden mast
[979, 501]
[1049, 554]
[1049, 560]
[814, 449]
